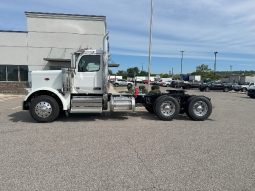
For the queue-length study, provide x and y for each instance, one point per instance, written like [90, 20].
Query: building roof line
[62, 15]
[13, 31]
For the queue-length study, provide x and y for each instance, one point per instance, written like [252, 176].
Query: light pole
[181, 61]
[215, 57]
[150, 40]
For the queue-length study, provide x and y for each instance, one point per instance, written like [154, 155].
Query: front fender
[65, 99]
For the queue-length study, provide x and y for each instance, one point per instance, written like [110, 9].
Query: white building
[48, 42]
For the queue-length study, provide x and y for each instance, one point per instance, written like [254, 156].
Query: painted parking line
[6, 98]
[16, 107]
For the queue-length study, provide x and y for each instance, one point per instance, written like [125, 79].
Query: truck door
[88, 78]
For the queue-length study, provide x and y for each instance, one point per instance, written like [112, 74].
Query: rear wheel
[166, 107]
[44, 108]
[199, 108]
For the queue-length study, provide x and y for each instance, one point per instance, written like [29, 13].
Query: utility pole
[215, 57]
[181, 60]
[231, 68]
[172, 71]
[150, 41]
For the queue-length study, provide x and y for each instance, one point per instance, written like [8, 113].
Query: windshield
[89, 63]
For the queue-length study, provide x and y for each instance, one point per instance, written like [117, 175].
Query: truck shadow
[24, 116]
[21, 116]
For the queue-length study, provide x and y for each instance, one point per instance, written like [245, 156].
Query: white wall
[13, 48]
[58, 35]
[195, 78]
[115, 77]
[250, 79]
[51, 36]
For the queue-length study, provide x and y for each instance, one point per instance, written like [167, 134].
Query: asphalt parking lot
[133, 151]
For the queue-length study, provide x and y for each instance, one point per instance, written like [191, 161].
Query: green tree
[203, 68]
[122, 73]
[164, 75]
[132, 72]
[143, 73]
[205, 72]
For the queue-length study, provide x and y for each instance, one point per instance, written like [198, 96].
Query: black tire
[116, 85]
[244, 90]
[225, 89]
[187, 87]
[164, 100]
[187, 105]
[199, 100]
[149, 108]
[46, 116]
[252, 96]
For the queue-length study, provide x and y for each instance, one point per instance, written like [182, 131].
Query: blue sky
[199, 27]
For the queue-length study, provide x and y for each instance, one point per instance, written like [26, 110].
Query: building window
[23, 73]
[13, 73]
[2, 73]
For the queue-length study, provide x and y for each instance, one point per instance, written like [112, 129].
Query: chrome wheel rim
[200, 108]
[167, 108]
[43, 109]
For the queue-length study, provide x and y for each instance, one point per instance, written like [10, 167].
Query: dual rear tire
[198, 108]
[166, 108]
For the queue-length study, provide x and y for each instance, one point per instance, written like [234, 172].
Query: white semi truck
[83, 88]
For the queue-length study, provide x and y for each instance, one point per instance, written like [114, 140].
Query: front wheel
[44, 108]
[166, 108]
[199, 108]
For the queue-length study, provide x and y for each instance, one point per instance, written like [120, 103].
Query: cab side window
[89, 63]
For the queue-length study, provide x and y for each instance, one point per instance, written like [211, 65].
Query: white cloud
[197, 26]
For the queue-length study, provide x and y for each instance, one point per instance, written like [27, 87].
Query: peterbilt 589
[83, 88]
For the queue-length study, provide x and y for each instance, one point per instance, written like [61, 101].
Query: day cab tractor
[83, 88]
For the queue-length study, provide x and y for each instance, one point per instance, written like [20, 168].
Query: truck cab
[89, 73]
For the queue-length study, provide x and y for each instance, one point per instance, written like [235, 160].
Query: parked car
[225, 87]
[175, 83]
[181, 84]
[166, 84]
[156, 82]
[147, 81]
[243, 87]
[194, 84]
[251, 91]
[121, 82]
